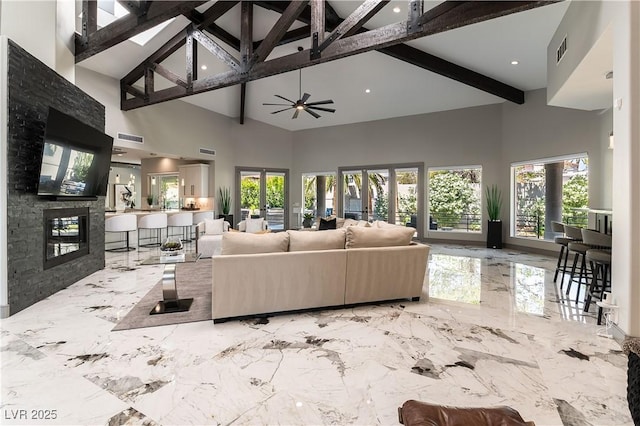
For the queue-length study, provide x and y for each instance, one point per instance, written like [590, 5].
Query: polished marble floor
[495, 331]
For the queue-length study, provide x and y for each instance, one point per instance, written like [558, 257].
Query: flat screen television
[75, 159]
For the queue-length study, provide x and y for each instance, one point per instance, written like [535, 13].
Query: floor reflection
[455, 278]
[528, 282]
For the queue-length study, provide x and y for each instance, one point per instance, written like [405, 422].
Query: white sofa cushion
[330, 239]
[214, 226]
[254, 225]
[248, 243]
[360, 237]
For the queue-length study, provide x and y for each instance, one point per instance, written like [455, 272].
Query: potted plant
[150, 200]
[494, 225]
[224, 201]
[308, 218]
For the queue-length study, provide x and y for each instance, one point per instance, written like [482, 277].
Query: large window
[319, 194]
[549, 190]
[165, 190]
[454, 199]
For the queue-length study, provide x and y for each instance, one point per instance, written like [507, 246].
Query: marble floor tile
[491, 329]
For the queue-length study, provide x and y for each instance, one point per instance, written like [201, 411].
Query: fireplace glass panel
[65, 235]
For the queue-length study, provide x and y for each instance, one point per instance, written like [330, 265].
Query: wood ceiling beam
[453, 71]
[243, 99]
[278, 30]
[158, 56]
[246, 33]
[216, 49]
[209, 16]
[89, 18]
[354, 22]
[380, 38]
[130, 25]
[168, 74]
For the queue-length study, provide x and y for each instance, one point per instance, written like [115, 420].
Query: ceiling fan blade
[328, 101]
[312, 113]
[322, 109]
[305, 97]
[275, 112]
[278, 104]
[282, 97]
[295, 114]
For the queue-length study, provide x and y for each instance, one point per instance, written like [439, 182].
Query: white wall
[534, 131]
[45, 29]
[625, 268]
[179, 129]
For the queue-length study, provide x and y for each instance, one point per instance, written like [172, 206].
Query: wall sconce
[182, 182]
[117, 178]
[611, 140]
[153, 180]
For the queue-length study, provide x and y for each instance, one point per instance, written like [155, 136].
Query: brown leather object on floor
[416, 413]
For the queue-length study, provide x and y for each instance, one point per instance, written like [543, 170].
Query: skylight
[110, 11]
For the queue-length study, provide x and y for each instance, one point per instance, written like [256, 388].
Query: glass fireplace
[66, 235]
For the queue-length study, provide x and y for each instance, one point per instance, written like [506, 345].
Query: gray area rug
[193, 280]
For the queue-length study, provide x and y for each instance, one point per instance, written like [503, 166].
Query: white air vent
[130, 138]
[561, 50]
[208, 151]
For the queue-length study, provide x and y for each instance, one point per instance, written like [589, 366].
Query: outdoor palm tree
[376, 183]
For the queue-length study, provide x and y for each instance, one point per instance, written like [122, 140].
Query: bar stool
[580, 249]
[563, 256]
[121, 223]
[599, 257]
[181, 220]
[154, 221]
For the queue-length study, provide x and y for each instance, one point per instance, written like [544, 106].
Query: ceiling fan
[301, 104]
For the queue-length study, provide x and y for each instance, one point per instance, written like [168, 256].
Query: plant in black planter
[308, 218]
[494, 225]
[225, 204]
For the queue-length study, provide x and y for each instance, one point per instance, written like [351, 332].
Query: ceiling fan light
[300, 107]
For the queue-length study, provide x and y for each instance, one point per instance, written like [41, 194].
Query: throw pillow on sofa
[248, 243]
[327, 224]
[254, 225]
[360, 237]
[214, 226]
[332, 239]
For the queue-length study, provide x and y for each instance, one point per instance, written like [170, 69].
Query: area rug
[193, 281]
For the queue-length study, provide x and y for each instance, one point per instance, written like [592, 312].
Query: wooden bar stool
[580, 250]
[599, 257]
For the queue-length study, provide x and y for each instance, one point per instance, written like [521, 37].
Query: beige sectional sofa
[296, 270]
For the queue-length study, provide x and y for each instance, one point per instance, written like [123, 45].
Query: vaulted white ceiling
[396, 88]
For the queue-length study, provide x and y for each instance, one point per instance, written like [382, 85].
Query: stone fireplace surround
[31, 88]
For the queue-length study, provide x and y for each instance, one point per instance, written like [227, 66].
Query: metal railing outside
[466, 222]
[532, 226]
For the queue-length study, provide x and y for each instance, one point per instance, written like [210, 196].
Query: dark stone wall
[32, 88]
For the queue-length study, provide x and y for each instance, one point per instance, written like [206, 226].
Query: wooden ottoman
[416, 413]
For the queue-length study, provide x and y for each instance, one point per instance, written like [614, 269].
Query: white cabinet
[194, 180]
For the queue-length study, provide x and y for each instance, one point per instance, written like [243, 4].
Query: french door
[263, 193]
[391, 193]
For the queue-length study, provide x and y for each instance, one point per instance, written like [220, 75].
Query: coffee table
[171, 302]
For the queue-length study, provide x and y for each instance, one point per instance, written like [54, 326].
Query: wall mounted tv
[75, 159]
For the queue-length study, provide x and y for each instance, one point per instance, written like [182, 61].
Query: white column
[626, 170]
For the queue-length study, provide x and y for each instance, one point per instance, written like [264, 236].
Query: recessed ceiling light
[514, 62]
[120, 154]
[396, 9]
[204, 67]
[367, 90]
